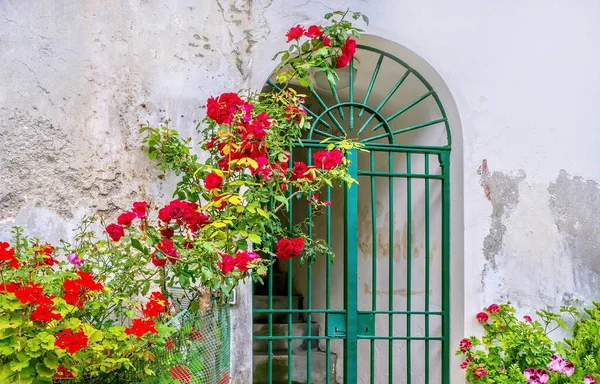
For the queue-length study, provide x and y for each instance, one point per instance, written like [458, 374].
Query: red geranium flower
[156, 305]
[482, 317]
[7, 256]
[169, 343]
[115, 231]
[195, 335]
[28, 294]
[295, 33]
[181, 373]
[493, 308]
[76, 291]
[140, 327]
[126, 218]
[70, 341]
[44, 311]
[464, 345]
[63, 373]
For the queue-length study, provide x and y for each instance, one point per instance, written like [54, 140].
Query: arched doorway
[380, 312]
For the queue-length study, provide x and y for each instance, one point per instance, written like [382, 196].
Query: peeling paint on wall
[575, 206]
[502, 190]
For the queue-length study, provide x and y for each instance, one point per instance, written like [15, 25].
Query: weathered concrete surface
[519, 79]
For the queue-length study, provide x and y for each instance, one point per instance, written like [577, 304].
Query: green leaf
[254, 238]
[44, 371]
[51, 361]
[366, 19]
[135, 243]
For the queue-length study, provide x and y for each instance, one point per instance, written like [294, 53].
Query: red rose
[285, 248]
[482, 317]
[139, 208]
[302, 171]
[158, 261]
[326, 41]
[126, 218]
[212, 181]
[219, 203]
[313, 32]
[295, 33]
[243, 258]
[115, 231]
[328, 160]
[227, 263]
[349, 47]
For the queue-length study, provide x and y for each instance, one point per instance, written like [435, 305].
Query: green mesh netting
[197, 353]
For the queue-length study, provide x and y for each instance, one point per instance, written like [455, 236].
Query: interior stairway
[280, 347]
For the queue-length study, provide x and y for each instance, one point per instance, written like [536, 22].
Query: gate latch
[336, 325]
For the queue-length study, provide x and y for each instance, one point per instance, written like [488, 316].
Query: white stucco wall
[78, 77]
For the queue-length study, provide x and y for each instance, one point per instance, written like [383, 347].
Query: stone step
[281, 346]
[279, 302]
[280, 285]
[280, 368]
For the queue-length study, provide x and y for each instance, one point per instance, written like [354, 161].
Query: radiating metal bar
[398, 113]
[385, 100]
[323, 133]
[331, 116]
[391, 267]
[311, 113]
[371, 84]
[407, 129]
[337, 100]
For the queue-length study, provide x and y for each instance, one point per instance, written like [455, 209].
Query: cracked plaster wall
[78, 77]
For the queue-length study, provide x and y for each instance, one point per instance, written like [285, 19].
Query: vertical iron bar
[327, 293]
[373, 257]
[270, 342]
[309, 292]
[351, 270]
[408, 266]
[426, 269]
[351, 94]
[391, 268]
[290, 279]
[445, 163]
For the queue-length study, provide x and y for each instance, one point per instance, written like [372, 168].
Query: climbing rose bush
[519, 350]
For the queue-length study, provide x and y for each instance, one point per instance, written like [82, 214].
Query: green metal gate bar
[318, 332]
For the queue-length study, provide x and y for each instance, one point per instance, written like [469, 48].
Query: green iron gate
[380, 312]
